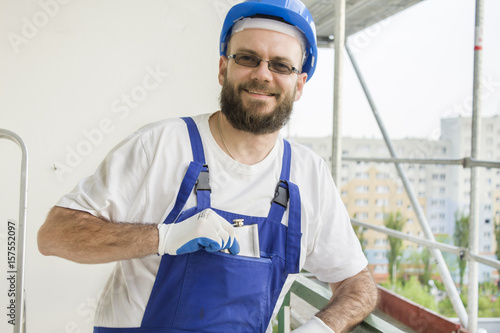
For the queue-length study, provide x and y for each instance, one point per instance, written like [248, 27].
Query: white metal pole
[339, 35]
[473, 288]
[17, 269]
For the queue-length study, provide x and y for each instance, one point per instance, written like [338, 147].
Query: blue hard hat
[293, 12]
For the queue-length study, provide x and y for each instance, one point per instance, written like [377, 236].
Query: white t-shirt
[138, 182]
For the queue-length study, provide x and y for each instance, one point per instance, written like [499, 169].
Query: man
[174, 276]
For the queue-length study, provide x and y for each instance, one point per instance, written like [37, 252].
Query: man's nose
[262, 72]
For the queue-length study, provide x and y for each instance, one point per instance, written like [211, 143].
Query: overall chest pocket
[224, 293]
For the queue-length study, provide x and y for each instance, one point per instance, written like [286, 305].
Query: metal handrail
[462, 252]
[466, 162]
[19, 322]
[318, 296]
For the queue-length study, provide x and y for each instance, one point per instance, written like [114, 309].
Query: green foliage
[497, 237]
[461, 238]
[418, 293]
[488, 301]
[394, 221]
[359, 233]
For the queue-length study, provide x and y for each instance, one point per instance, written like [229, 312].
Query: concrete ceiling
[360, 14]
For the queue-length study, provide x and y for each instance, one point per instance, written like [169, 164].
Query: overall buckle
[203, 181]
[281, 194]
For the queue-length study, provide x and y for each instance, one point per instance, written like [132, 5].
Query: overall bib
[219, 292]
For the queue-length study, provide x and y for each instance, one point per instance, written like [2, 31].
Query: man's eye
[246, 58]
[280, 66]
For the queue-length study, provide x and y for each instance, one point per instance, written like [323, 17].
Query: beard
[248, 118]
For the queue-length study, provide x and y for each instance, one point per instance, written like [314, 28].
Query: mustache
[257, 86]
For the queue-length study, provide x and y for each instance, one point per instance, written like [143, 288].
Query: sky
[418, 66]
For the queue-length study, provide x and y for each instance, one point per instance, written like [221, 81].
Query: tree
[461, 238]
[359, 231]
[394, 221]
[497, 237]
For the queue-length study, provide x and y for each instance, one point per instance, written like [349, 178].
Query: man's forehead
[276, 45]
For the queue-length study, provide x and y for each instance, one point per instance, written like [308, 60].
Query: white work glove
[314, 325]
[206, 230]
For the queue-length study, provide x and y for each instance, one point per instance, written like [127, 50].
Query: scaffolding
[467, 318]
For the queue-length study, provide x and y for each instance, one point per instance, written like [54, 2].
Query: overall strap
[194, 137]
[203, 189]
[280, 201]
[196, 176]
[287, 195]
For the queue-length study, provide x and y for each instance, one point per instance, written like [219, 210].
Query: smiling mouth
[262, 93]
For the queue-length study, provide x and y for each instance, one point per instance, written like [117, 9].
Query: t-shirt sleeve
[334, 252]
[116, 185]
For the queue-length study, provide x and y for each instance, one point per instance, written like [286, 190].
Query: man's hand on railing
[314, 325]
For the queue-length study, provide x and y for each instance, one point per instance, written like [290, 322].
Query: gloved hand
[314, 325]
[206, 230]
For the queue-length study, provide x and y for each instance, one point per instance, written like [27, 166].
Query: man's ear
[222, 69]
[301, 81]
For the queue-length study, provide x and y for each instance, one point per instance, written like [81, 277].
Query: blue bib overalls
[219, 292]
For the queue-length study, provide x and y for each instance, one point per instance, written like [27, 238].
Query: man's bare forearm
[352, 300]
[84, 238]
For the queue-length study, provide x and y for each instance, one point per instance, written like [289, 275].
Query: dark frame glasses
[252, 61]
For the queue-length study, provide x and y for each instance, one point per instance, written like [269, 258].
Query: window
[409, 221]
[382, 202]
[362, 189]
[361, 215]
[380, 269]
[381, 242]
[380, 216]
[362, 175]
[382, 175]
[361, 202]
[382, 189]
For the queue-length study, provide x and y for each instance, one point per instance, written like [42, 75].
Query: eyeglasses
[277, 66]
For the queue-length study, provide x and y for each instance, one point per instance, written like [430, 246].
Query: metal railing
[18, 267]
[318, 297]
[463, 252]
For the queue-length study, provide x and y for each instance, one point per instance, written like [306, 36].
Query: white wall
[67, 68]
